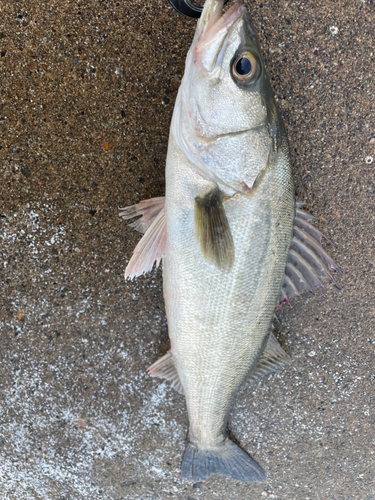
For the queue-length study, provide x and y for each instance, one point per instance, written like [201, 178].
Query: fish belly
[219, 320]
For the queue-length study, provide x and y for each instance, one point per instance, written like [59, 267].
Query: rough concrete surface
[86, 95]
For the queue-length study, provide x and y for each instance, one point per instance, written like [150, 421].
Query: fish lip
[212, 15]
[211, 41]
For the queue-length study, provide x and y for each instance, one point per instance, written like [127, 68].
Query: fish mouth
[213, 30]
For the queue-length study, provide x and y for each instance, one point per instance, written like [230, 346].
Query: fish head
[226, 119]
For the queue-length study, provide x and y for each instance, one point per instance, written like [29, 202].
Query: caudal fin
[228, 460]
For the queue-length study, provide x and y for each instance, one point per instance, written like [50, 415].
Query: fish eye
[245, 68]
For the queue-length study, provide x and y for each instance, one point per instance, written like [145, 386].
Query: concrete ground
[86, 95]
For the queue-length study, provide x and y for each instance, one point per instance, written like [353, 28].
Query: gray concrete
[87, 92]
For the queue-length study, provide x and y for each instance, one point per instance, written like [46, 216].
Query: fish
[234, 244]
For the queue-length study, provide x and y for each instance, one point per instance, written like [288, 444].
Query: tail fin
[229, 460]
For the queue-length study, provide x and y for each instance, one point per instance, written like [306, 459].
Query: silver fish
[232, 241]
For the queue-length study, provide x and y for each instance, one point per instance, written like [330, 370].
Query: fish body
[224, 235]
[219, 317]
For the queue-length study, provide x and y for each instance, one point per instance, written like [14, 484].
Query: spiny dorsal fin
[165, 368]
[273, 359]
[308, 265]
[213, 231]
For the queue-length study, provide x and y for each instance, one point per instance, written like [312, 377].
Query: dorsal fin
[273, 359]
[308, 265]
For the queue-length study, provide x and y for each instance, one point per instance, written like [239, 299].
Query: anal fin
[165, 368]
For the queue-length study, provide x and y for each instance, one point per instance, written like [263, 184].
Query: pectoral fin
[213, 231]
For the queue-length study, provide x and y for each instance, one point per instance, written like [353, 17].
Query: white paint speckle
[334, 30]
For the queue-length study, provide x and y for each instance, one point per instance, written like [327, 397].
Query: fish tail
[228, 460]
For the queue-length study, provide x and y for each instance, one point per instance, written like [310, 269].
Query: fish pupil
[243, 66]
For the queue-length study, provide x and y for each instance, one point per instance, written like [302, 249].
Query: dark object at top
[186, 8]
